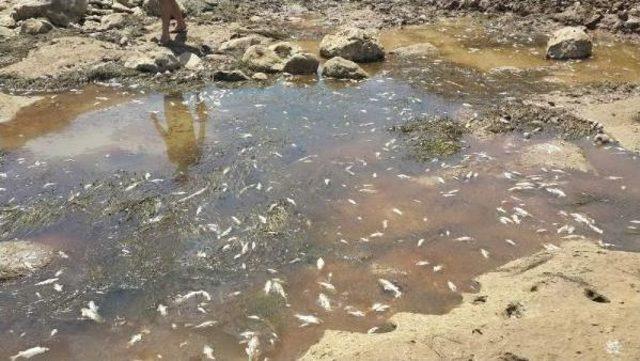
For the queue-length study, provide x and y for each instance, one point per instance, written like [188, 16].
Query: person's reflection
[179, 134]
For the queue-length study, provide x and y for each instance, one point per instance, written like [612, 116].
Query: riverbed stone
[240, 45]
[340, 68]
[114, 21]
[358, 45]
[569, 43]
[230, 75]
[35, 27]
[285, 49]
[301, 64]
[262, 59]
[19, 258]
[190, 61]
[59, 12]
[421, 50]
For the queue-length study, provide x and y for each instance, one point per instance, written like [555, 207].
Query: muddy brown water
[152, 197]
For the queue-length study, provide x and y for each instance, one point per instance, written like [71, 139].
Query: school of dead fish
[329, 301]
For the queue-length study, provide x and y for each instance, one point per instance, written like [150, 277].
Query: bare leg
[165, 15]
[176, 13]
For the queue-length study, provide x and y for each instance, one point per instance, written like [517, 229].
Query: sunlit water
[194, 202]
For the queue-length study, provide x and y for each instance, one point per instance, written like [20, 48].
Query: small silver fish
[27, 354]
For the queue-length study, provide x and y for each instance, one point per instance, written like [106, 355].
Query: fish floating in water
[29, 353]
[308, 320]
[390, 287]
[91, 312]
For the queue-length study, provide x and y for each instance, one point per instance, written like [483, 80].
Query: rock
[422, 50]
[602, 139]
[158, 61]
[230, 75]
[285, 49]
[142, 63]
[569, 43]
[6, 33]
[19, 258]
[7, 21]
[121, 8]
[114, 21]
[261, 58]
[35, 27]
[260, 76]
[632, 24]
[340, 68]
[240, 45]
[190, 61]
[301, 64]
[59, 12]
[353, 44]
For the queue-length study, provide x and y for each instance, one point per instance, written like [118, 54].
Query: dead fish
[91, 312]
[452, 286]
[253, 346]
[324, 302]
[390, 287]
[557, 192]
[327, 286]
[320, 264]
[134, 339]
[205, 324]
[379, 307]
[208, 352]
[308, 320]
[510, 242]
[484, 252]
[205, 294]
[27, 354]
[397, 211]
[275, 286]
[162, 309]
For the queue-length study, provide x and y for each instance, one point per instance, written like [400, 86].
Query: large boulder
[114, 21]
[261, 58]
[301, 64]
[358, 45]
[340, 68]
[19, 258]
[569, 43]
[59, 12]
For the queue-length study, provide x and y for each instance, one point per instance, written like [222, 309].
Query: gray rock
[301, 64]
[19, 258]
[240, 45]
[114, 21]
[59, 12]
[569, 43]
[7, 21]
[353, 44]
[35, 27]
[261, 58]
[153, 62]
[632, 24]
[285, 49]
[260, 76]
[340, 68]
[422, 50]
[229, 75]
[190, 61]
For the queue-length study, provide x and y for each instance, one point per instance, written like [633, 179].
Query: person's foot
[165, 39]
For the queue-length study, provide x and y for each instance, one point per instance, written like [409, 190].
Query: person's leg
[176, 13]
[165, 15]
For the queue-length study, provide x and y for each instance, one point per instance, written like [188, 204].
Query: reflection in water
[179, 134]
